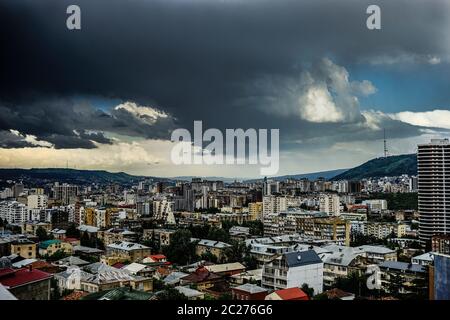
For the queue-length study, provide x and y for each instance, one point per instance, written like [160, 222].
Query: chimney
[30, 268]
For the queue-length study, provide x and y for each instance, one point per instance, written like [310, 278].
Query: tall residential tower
[433, 165]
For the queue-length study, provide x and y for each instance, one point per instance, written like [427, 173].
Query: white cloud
[31, 139]
[433, 119]
[407, 58]
[146, 114]
[327, 94]
[316, 105]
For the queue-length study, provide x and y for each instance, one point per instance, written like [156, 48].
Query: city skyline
[108, 96]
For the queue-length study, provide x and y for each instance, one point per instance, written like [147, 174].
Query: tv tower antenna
[385, 145]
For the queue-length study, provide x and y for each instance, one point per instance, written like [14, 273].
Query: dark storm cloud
[68, 123]
[11, 140]
[195, 59]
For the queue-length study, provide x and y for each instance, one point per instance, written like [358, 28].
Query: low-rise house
[105, 277]
[202, 279]
[217, 248]
[338, 294]
[87, 253]
[71, 261]
[23, 263]
[174, 278]
[139, 269]
[119, 294]
[226, 269]
[190, 293]
[294, 269]
[155, 258]
[71, 278]
[117, 235]
[30, 227]
[50, 247]
[248, 292]
[24, 248]
[288, 294]
[59, 234]
[128, 251]
[27, 283]
[247, 276]
[341, 261]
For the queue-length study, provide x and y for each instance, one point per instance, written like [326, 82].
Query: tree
[85, 240]
[256, 227]
[306, 289]
[236, 252]
[218, 235]
[171, 294]
[58, 255]
[72, 232]
[181, 249]
[208, 256]
[42, 234]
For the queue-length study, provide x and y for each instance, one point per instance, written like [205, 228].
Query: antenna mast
[385, 145]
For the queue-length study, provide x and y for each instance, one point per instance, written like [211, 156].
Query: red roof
[158, 257]
[292, 294]
[118, 265]
[15, 278]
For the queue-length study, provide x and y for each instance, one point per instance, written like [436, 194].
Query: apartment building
[294, 269]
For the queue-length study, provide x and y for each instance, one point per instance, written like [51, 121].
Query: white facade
[376, 205]
[273, 204]
[330, 204]
[37, 201]
[13, 211]
[433, 167]
[294, 269]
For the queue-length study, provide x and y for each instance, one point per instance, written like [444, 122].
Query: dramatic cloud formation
[139, 69]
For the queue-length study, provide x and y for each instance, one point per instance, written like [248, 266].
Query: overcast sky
[109, 95]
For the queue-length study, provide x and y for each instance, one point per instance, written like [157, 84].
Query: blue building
[441, 277]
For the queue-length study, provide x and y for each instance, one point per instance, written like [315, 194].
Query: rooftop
[16, 278]
[403, 266]
[302, 258]
[250, 288]
[127, 246]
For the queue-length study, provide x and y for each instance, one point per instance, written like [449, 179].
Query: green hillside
[381, 167]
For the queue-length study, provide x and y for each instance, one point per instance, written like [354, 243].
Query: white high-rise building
[330, 204]
[13, 211]
[37, 201]
[274, 204]
[433, 166]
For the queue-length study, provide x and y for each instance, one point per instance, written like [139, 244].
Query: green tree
[237, 251]
[306, 289]
[72, 231]
[181, 249]
[218, 235]
[256, 227]
[42, 234]
[85, 239]
[171, 294]
[58, 255]
[208, 256]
